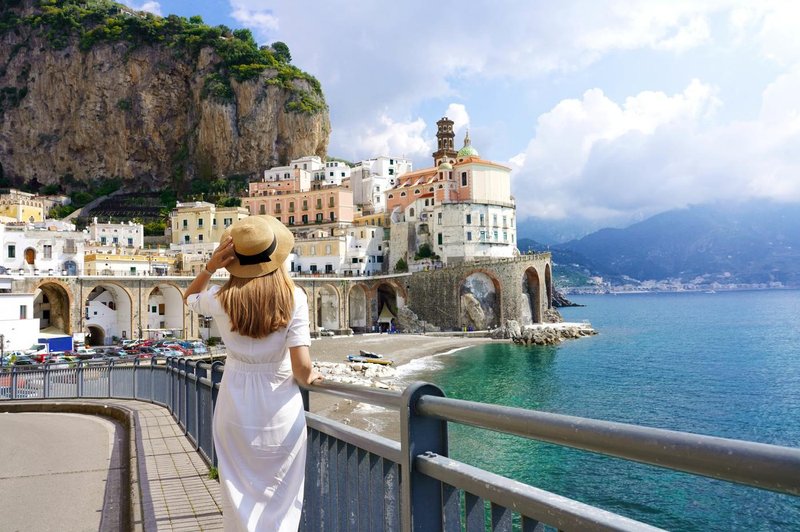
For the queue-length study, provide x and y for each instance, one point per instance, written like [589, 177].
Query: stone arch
[479, 300]
[53, 305]
[109, 306]
[327, 307]
[548, 285]
[388, 294]
[357, 307]
[96, 335]
[164, 311]
[532, 295]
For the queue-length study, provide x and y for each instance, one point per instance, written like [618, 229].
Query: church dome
[468, 150]
[445, 165]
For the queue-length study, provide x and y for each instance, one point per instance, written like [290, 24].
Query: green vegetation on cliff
[92, 22]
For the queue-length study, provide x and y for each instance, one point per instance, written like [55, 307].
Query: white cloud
[457, 112]
[262, 21]
[597, 159]
[384, 136]
[150, 7]
[694, 33]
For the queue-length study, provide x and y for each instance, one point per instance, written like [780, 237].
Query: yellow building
[22, 206]
[200, 222]
[114, 264]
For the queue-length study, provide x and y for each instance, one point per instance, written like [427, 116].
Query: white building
[18, 328]
[332, 175]
[43, 250]
[107, 236]
[365, 251]
[372, 177]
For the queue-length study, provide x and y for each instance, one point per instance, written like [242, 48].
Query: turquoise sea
[724, 364]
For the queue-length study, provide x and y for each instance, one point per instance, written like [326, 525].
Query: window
[391, 171]
[411, 212]
[291, 206]
[227, 221]
[332, 216]
[481, 218]
[328, 249]
[185, 224]
[277, 208]
[199, 222]
[214, 222]
[495, 236]
[102, 241]
[469, 219]
[354, 260]
[199, 237]
[379, 257]
[402, 194]
[305, 219]
[133, 270]
[130, 242]
[23, 312]
[463, 179]
[416, 192]
[313, 268]
[262, 209]
[115, 241]
[505, 220]
[305, 205]
[469, 236]
[319, 217]
[291, 220]
[494, 219]
[505, 236]
[331, 202]
[440, 218]
[439, 238]
[185, 239]
[391, 196]
[319, 203]
[313, 250]
[48, 251]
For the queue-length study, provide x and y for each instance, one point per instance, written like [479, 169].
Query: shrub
[401, 266]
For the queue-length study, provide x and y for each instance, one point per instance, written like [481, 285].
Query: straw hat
[261, 243]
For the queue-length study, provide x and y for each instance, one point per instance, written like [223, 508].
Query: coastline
[403, 349]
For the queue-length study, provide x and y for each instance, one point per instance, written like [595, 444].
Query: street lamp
[2, 349]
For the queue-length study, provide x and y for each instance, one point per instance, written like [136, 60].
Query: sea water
[724, 364]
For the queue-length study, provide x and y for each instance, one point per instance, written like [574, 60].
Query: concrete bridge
[476, 295]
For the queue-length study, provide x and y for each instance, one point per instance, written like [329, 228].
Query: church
[458, 210]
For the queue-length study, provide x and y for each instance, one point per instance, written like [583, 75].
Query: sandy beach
[401, 348]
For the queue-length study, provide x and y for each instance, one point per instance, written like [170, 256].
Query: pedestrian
[259, 423]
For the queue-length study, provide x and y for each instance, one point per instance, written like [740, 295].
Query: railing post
[110, 373]
[198, 371]
[13, 382]
[79, 379]
[421, 495]
[46, 381]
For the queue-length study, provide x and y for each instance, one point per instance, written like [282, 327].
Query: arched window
[411, 212]
[416, 192]
[391, 196]
[402, 194]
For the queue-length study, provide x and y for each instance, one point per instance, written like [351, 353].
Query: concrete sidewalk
[170, 488]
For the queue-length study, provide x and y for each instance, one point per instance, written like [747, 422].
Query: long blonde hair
[258, 306]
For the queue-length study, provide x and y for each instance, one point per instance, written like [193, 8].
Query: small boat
[371, 358]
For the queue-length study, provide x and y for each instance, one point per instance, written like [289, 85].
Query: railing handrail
[761, 465]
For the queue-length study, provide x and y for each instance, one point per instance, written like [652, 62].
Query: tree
[281, 52]
[401, 266]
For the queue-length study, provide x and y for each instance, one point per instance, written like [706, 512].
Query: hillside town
[378, 216]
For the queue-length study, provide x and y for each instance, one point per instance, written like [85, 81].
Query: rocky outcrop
[472, 312]
[559, 300]
[541, 334]
[374, 375]
[142, 113]
[408, 322]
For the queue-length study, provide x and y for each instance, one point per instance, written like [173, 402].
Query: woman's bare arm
[303, 371]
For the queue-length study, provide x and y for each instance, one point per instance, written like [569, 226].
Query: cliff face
[140, 113]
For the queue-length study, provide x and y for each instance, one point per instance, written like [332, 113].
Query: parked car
[85, 353]
[24, 360]
[325, 332]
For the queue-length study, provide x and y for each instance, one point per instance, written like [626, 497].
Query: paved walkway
[176, 491]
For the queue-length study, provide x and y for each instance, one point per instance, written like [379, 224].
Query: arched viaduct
[473, 295]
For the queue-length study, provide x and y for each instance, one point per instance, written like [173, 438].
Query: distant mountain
[755, 242]
[554, 231]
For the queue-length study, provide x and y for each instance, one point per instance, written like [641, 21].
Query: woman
[259, 422]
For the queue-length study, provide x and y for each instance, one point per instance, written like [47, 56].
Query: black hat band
[258, 258]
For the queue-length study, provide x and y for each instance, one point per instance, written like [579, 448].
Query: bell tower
[444, 138]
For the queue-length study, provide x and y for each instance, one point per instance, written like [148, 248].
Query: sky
[606, 112]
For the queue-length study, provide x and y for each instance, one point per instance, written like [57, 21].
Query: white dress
[259, 422]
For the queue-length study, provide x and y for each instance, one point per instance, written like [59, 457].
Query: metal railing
[356, 480]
